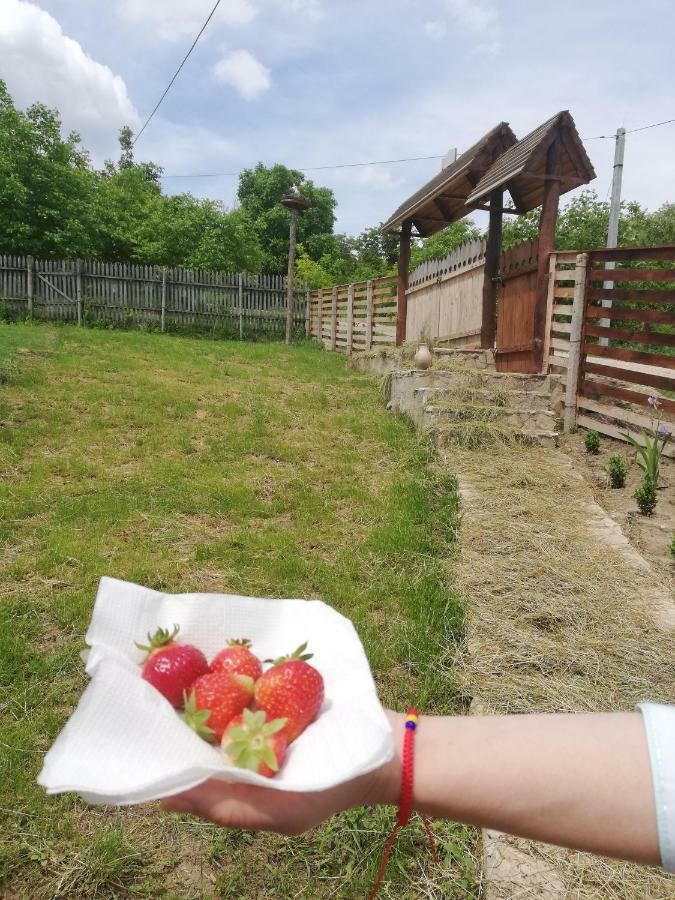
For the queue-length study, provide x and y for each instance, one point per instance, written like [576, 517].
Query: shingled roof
[521, 168]
[442, 200]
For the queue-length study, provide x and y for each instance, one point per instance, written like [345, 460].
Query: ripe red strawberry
[237, 659]
[215, 699]
[254, 741]
[171, 667]
[291, 689]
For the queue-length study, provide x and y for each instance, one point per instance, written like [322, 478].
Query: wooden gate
[517, 349]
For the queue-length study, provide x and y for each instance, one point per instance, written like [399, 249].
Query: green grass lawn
[196, 465]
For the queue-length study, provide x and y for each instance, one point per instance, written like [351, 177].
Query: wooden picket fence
[611, 335]
[445, 297]
[352, 317]
[148, 296]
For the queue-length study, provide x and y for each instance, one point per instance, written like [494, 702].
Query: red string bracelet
[405, 800]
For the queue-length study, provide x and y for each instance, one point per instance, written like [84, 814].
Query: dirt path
[564, 615]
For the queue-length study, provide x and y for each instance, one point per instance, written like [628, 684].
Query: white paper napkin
[126, 744]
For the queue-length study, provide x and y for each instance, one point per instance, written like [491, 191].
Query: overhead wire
[387, 162]
[176, 73]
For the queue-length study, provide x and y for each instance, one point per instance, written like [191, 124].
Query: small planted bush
[645, 496]
[616, 469]
[592, 442]
[672, 548]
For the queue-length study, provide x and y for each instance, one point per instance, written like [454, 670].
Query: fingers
[234, 806]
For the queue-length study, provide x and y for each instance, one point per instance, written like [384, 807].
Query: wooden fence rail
[616, 348]
[129, 294]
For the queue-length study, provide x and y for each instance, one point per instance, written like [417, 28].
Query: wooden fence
[611, 334]
[354, 317]
[125, 294]
[445, 297]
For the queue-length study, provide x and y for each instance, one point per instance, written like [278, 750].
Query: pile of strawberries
[217, 699]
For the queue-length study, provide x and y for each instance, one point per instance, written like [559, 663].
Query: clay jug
[422, 357]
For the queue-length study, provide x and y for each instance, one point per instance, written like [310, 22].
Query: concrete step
[473, 359]
[521, 418]
[476, 435]
[483, 396]
[487, 379]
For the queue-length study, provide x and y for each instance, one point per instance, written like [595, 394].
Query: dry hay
[558, 621]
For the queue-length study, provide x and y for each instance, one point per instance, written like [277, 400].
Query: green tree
[260, 192]
[46, 184]
[443, 242]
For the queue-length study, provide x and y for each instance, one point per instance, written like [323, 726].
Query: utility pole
[296, 203]
[614, 210]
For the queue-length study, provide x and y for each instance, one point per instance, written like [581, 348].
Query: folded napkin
[126, 744]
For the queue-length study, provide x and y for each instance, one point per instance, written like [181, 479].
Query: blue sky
[313, 82]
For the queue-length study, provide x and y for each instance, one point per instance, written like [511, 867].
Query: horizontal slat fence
[627, 336]
[354, 317]
[137, 295]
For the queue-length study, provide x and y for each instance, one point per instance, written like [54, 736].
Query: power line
[177, 72]
[375, 162]
[606, 137]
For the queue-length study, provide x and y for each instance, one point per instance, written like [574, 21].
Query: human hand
[285, 812]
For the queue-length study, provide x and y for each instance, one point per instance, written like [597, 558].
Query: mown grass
[189, 464]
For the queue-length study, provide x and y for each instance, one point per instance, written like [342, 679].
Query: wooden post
[240, 300]
[547, 220]
[308, 314]
[402, 287]
[162, 324]
[369, 314]
[333, 319]
[320, 314]
[289, 281]
[30, 267]
[350, 318]
[550, 300]
[78, 289]
[492, 251]
[574, 356]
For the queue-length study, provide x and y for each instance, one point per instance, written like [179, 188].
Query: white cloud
[40, 63]
[183, 18]
[478, 18]
[435, 30]
[474, 15]
[242, 71]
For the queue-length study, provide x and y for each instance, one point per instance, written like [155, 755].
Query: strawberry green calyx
[161, 638]
[239, 642]
[296, 654]
[196, 719]
[247, 745]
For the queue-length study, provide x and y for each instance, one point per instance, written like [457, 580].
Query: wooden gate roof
[442, 200]
[521, 169]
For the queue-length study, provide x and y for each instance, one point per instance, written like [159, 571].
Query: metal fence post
[574, 356]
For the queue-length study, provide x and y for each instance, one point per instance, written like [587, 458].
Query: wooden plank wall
[445, 297]
[129, 294]
[628, 349]
[354, 317]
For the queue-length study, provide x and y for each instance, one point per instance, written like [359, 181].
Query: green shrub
[592, 442]
[646, 497]
[616, 469]
[672, 547]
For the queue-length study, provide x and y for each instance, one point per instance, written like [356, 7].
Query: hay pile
[557, 620]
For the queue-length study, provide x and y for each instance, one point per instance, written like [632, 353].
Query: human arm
[582, 781]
